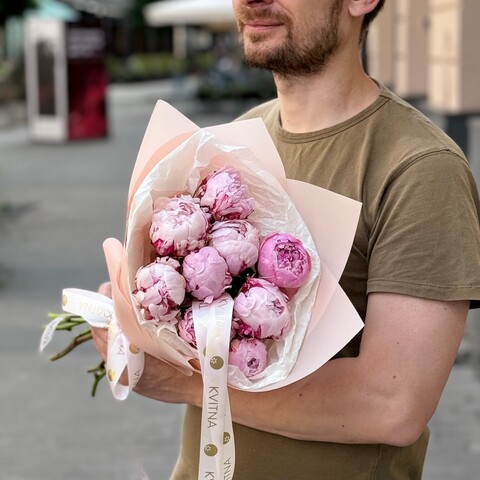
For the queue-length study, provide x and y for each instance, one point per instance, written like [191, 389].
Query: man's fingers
[100, 339]
[105, 289]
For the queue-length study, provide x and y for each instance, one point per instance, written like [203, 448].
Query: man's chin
[258, 51]
[257, 62]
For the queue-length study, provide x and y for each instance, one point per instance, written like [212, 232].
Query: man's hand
[100, 335]
[159, 381]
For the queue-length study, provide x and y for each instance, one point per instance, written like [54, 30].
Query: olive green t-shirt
[418, 235]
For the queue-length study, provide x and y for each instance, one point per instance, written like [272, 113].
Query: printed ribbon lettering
[212, 324]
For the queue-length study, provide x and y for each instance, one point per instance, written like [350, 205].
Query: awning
[190, 12]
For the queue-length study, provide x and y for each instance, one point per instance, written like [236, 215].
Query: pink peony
[206, 273]
[237, 241]
[223, 193]
[249, 355]
[283, 260]
[262, 309]
[185, 328]
[159, 290]
[178, 227]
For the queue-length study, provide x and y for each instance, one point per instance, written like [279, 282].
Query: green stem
[68, 325]
[98, 373]
[78, 340]
[68, 321]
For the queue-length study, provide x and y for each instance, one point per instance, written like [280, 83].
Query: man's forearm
[335, 404]
[385, 395]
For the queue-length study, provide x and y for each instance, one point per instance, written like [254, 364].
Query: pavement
[57, 205]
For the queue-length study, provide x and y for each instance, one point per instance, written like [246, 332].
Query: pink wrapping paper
[332, 223]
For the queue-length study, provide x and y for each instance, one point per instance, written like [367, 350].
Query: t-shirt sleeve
[425, 241]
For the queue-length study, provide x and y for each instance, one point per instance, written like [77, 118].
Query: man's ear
[358, 8]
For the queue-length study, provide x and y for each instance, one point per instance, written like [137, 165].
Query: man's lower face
[290, 49]
[291, 57]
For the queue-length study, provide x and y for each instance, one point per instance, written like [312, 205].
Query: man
[413, 270]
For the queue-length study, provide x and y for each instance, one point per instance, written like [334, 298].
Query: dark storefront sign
[66, 80]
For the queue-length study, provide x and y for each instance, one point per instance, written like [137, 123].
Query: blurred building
[126, 31]
[122, 20]
[427, 52]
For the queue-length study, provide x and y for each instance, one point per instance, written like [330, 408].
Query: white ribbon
[97, 310]
[212, 324]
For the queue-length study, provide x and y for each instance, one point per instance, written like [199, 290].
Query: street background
[57, 205]
[59, 202]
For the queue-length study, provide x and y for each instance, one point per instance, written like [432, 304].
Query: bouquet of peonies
[204, 246]
[209, 222]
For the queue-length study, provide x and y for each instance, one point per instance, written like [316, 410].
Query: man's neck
[312, 103]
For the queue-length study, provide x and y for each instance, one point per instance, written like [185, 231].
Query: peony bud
[178, 227]
[249, 355]
[206, 273]
[185, 328]
[223, 193]
[237, 241]
[283, 260]
[159, 290]
[262, 309]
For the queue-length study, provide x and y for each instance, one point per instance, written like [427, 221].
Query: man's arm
[385, 395]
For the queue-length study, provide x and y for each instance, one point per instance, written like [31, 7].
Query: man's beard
[303, 57]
